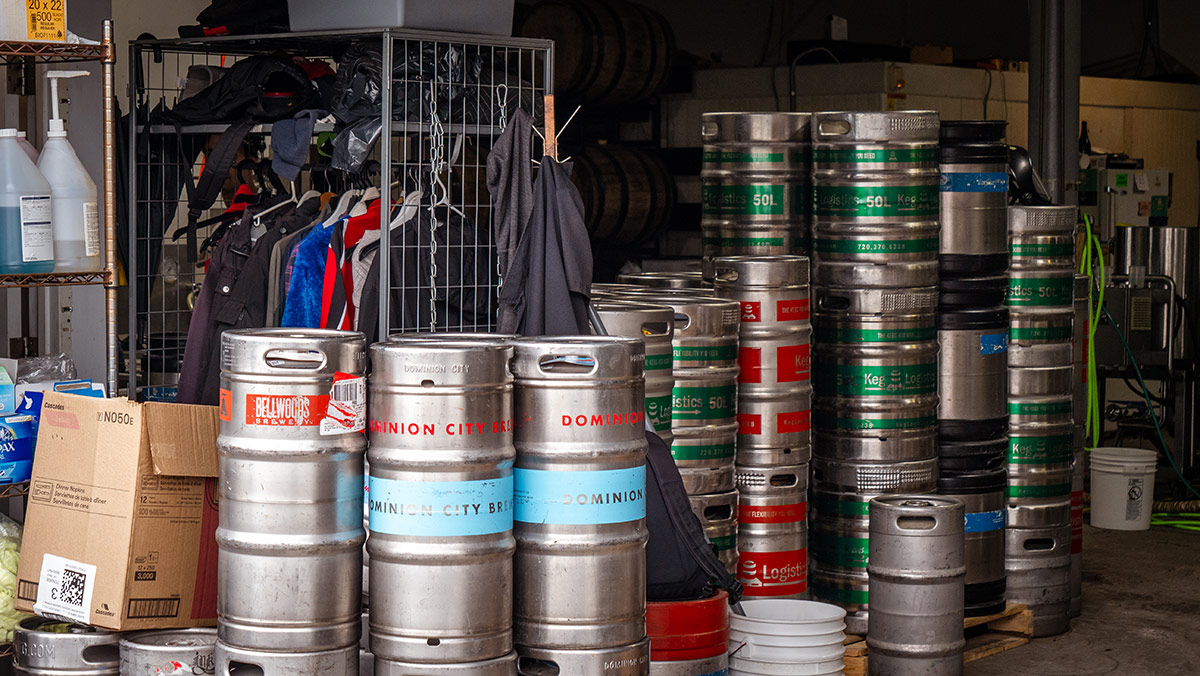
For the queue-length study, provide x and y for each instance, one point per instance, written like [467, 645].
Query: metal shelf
[54, 279]
[265, 128]
[14, 491]
[52, 52]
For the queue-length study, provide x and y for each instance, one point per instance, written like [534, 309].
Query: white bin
[1122, 487]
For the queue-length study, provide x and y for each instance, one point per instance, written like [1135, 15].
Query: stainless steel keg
[234, 661]
[624, 660]
[580, 483]
[774, 390]
[875, 205]
[654, 324]
[706, 666]
[917, 568]
[441, 493]
[1039, 475]
[291, 473]
[683, 279]
[983, 495]
[1041, 237]
[974, 198]
[973, 373]
[886, 447]
[1047, 326]
[44, 647]
[174, 651]
[755, 184]
[718, 514]
[856, 298]
[1038, 565]
[505, 665]
[773, 530]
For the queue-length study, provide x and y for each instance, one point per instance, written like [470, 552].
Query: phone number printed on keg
[577, 498]
[283, 410]
[441, 508]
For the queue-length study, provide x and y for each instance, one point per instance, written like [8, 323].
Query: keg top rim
[296, 333]
[34, 625]
[637, 305]
[168, 638]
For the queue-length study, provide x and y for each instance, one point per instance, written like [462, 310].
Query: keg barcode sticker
[65, 589]
[347, 408]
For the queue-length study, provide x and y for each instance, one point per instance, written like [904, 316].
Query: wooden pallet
[986, 636]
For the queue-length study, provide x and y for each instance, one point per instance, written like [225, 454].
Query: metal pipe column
[1054, 39]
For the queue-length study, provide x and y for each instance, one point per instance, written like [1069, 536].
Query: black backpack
[256, 89]
[681, 565]
[238, 17]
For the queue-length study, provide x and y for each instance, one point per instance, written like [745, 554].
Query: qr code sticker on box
[65, 589]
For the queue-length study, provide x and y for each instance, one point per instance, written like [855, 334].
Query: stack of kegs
[1042, 436]
[875, 276]
[774, 398]
[973, 326]
[755, 184]
[702, 423]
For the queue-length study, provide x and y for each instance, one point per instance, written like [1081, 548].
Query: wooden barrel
[627, 193]
[606, 51]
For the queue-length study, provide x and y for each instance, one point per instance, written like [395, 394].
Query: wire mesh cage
[448, 99]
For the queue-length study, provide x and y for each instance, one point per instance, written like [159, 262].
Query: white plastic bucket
[744, 667]
[787, 631]
[1122, 487]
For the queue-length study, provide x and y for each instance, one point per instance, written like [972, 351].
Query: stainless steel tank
[173, 651]
[718, 514]
[755, 184]
[580, 483]
[1038, 565]
[1173, 253]
[974, 198]
[983, 495]
[291, 449]
[45, 647]
[441, 501]
[773, 530]
[654, 325]
[973, 373]
[774, 389]
[917, 567]
[875, 197]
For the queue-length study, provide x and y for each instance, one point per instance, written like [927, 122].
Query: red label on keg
[774, 573]
[749, 423]
[793, 363]
[285, 410]
[790, 513]
[749, 364]
[751, 311]
[794, 421]
[792, 310]
[225, 409]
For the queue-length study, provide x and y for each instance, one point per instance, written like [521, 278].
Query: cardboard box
[33, 20]
[122, 513]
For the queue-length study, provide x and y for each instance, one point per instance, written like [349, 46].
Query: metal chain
[502, 104]
[437, 194]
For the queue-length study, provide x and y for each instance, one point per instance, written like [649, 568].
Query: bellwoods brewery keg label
[1035, 291]
[773, 573]
[440, 508]
[865, 201]
[788, 422]
[286, 410]
[875, 246]
[984, 522]
[579, 498]
[704, 403]
[854, 380]
[973, 181]
[1041, 450]
[790, 199]
[874, 155]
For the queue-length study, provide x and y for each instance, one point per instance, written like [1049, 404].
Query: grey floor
[1141, 612]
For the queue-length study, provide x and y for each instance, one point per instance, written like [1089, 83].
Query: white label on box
[1140, 182]
[37, 236]
[91, 229]
[65, 589]
[347, 409]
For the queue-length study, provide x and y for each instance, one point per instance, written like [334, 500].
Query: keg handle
[573, 364]
[1038, 544]
[656, 329]
[729, 275]
[684, 319]
[832, 302]
[292, 359]
[833, 126]
[708, 129]
[102, 655]
[916, 523]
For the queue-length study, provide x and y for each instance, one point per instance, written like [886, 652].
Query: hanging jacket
[303, 306]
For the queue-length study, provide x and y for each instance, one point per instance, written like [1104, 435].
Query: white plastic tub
[788, 631]
[490, 17]
[1122, 487]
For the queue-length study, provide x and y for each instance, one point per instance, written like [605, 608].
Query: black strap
[203, 193]
[679, 510]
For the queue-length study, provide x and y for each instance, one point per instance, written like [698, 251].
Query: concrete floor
[1141, 612]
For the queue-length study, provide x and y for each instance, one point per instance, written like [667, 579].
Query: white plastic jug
[76, 211]
[26, 233]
